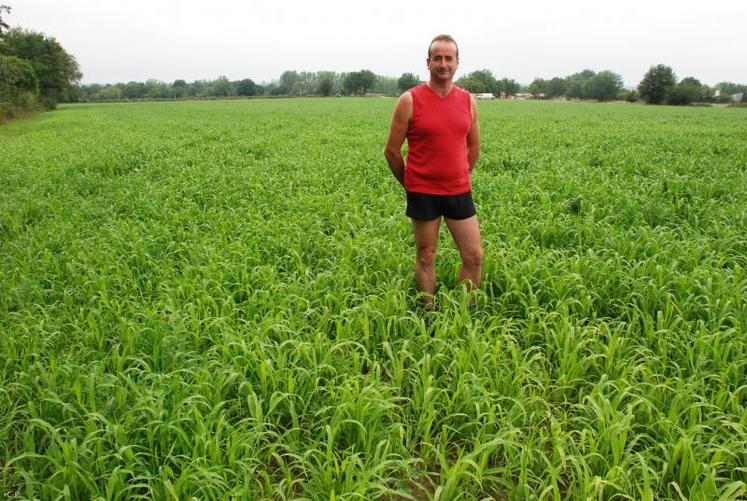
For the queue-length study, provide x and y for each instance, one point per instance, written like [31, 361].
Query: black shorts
[424, 207]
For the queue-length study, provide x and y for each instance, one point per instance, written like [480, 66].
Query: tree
[630, 96]
[246, 87]
[17, 76]
[472, 85]
[180, 88]
[708, 92]
[273, 89]
[325, 83]
[222, 87]
[723, 91]
[307, 83]
[689, 90]
[359, 82]
[19, 87]
[576, 86]
[134, 90]
[351, 84]
[508, 85]
[367, 81]
[155, 89]
[3, 25]
[537, 87]
[407, 81]
[86, 91]
[198, 88]
[555, 87]
[479, 81]
[730, 88]
[108, 93]
[56, 70]
[604, 86]
[289, 83]
[657, 83]
[386, 85]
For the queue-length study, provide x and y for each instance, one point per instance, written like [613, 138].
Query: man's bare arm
[397, 135]
[473, 138]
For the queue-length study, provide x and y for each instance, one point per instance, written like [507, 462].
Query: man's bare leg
[466, 234]
[426, 238]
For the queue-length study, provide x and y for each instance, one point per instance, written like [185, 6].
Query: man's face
[443, 61]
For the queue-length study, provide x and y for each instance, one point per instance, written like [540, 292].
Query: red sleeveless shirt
[437, 142]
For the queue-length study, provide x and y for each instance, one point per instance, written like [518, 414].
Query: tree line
[659, 86]
[37, 73]
[290, 83]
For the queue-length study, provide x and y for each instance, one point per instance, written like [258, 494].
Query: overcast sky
[190, 39]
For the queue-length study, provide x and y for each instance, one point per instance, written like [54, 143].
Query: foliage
[479, 81]
[472, 85]
[688, 90]
[576, 84]
[630, 96]
[133, 90]
[17, 76]
[508, 86]
[731, 88]
[110, 93]
[214, 300]
[537, 87]
[156, 89]
[3, 25]
[587, 84]
[33, 69]
[222, 87]
[289, 83]
[359, 82]
[603, 86]
[326, 85]
[657, 83]
[367, 80]
[246, 87]
[56, 70]
[407, 81]
[555, 87]
[180, 87]
[385, 85]
[19, 87]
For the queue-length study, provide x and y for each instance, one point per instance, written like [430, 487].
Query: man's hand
[397, 135]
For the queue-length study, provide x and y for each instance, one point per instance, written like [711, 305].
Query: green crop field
[214, 299]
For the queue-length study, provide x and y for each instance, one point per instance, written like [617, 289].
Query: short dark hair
[443, 38]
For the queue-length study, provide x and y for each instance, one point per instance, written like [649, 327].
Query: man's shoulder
[462, 91]
[417, 89]
[405, 97]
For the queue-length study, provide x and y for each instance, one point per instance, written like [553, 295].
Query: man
[439, 121]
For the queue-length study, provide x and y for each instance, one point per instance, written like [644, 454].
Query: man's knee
[426, 255]
[472, 257]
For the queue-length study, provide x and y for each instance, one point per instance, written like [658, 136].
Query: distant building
[521, 96]
[735, 98]
[484, 95]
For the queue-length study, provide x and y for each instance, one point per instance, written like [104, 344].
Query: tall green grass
[214, 299]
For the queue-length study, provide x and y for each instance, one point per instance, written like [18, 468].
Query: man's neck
[441, 88]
